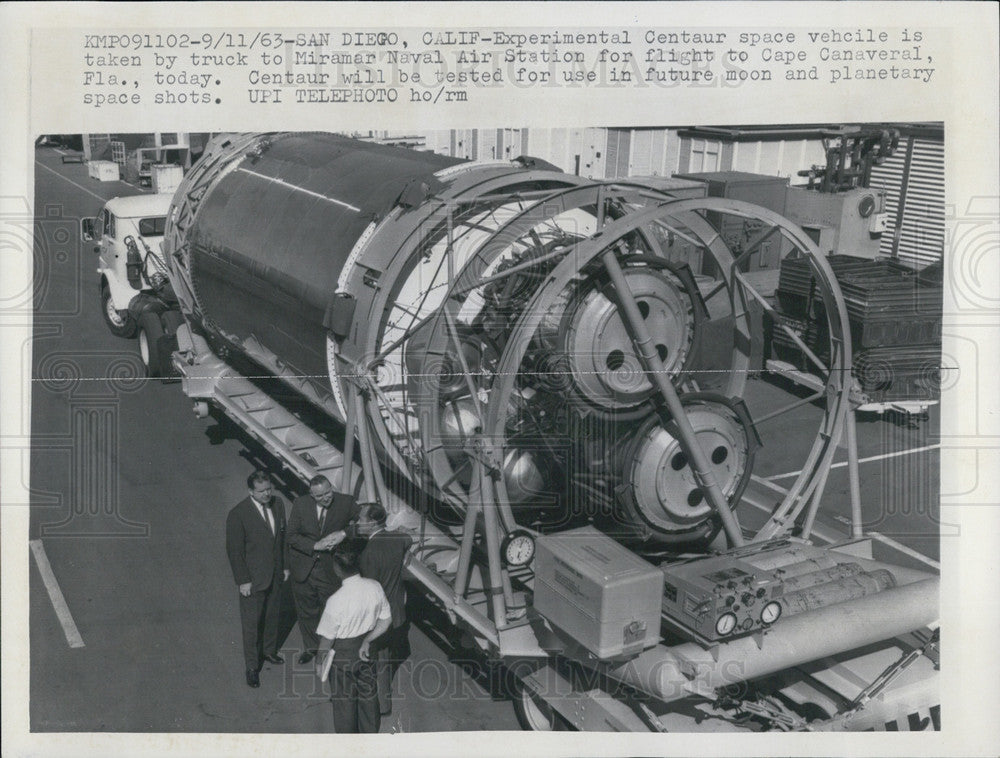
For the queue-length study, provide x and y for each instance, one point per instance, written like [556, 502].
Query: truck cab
[136, 296]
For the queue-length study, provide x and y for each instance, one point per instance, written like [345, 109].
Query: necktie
[321, 517]
[268, 517]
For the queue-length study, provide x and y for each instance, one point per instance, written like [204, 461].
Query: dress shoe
[306, 657]
[253, 678]
[275, 658]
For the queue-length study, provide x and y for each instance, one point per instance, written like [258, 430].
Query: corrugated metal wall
[915, 176]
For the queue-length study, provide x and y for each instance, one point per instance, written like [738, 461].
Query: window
[110, 224]
[99, 223]
[704, 155]
[152, 227]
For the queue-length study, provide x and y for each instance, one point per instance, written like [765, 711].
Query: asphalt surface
[129, 497]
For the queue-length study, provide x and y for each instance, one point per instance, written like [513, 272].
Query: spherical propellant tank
[498, 333]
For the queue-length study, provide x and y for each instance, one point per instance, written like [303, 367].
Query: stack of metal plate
[895, 318]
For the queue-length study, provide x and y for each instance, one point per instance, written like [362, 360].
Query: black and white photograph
[486, 424]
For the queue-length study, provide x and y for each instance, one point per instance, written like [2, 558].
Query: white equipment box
[166, 177]
[103, 171]
[601, 594]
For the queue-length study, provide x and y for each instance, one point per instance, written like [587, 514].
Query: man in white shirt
[354, 616]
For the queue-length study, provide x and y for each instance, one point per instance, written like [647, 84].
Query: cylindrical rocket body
[272, 235]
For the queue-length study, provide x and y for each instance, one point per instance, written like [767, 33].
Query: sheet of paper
[600, 90]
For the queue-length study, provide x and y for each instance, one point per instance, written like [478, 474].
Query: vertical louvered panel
[488, 144]
[921, 224]
[616, 164]
[611, 153]
[684, 158]
[726, 162]
[641, 161]
[464, 148]
[657, 151]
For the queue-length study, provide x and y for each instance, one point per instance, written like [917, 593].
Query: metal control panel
[742, 591]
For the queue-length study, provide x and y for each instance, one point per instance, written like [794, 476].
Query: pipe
[673, 673]
[853, 475]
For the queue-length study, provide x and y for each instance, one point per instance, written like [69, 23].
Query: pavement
[129, 497]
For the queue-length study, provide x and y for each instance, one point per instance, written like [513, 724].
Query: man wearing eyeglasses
[317, 524]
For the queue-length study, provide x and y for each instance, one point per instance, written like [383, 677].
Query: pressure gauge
[725, 624]
[866, 206]
[770, 612]
[518, 548]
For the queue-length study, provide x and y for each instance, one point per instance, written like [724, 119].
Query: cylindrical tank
[271, 236]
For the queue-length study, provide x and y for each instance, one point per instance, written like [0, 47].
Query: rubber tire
[533, 714]
[125, 326]
[150, 331]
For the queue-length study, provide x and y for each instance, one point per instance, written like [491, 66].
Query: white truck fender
[121, 291]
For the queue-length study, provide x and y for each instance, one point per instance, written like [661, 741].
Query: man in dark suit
[255, 542]
[316, 526]
[382, 559]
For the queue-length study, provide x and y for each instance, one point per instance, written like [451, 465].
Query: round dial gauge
[770, 612]
[725, 624]
[518, 548]
[866, 206]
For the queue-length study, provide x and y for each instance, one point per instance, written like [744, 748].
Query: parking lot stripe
[55, 594]
[869, 459]
[78, 186]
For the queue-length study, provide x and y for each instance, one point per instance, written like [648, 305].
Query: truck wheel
[150, 331]
[120, 323]
[534, 714]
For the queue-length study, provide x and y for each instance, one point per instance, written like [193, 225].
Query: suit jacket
[382, 560]
[304, 531]
[255, 554]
